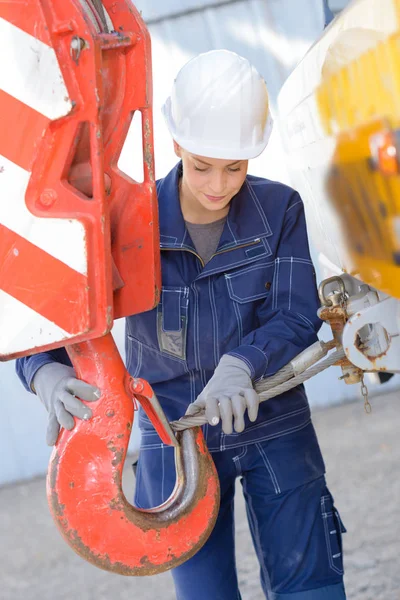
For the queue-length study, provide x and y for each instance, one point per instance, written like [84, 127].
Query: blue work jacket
[255, 299]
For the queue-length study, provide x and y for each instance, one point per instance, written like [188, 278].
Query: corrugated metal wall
[272, 34]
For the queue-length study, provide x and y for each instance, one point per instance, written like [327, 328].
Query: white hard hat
[219, 107]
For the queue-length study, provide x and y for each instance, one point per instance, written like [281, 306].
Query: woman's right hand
[59, 390]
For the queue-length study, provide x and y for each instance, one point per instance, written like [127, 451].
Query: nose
[217, 183]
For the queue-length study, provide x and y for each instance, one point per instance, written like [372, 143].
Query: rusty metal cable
[266, 391]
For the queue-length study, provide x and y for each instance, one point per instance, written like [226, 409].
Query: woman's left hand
[227, 395]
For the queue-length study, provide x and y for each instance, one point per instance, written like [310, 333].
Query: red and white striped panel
[51, 252]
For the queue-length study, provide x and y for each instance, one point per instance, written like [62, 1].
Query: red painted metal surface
[108, 78]
[84, 480]
[134, 213]
[74, 175]
[44, 150]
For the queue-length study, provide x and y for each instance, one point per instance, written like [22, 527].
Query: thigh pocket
[172, 316]
[334, 529]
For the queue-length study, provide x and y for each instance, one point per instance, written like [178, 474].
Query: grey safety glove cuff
[228, 395]
[59, 389]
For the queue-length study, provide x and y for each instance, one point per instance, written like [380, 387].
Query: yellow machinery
[339, 114]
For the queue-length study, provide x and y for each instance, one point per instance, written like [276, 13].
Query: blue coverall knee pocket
[296, 531]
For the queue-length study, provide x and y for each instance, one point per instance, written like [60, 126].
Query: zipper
[185, 250]
[256, 241]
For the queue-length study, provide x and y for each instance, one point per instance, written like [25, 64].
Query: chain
[364, 392]
[364, 389]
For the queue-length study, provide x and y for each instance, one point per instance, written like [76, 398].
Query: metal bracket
[384, 321]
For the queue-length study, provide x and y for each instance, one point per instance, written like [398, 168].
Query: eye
[201, 170]
[235, 170]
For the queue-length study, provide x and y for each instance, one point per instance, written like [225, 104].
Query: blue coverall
[255, 299]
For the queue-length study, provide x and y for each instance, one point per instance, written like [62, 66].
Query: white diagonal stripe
[26, 329]
[30, 72]
[62, 238]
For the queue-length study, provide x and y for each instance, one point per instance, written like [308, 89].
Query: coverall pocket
[172, 316]
[334, 528]
[150, 363]
[251, 283]
[248, 289]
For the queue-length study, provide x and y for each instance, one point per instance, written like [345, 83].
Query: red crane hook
[84, 481]
[69, 158]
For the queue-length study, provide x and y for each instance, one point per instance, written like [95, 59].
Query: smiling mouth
[214, 198]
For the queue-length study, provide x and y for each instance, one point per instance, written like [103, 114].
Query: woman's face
[211, 181]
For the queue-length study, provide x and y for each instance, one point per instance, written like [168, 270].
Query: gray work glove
[57, 387]
[227, 395]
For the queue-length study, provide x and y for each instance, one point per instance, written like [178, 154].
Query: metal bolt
[137, 385]
[47, 198]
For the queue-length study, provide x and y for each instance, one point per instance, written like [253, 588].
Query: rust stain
[115, 504]
[157, 294]
[109, 316]
[57, 508]
[336, 317]
[159, 521]
[145, 566]
[372, 358]
[136, 244]
[118, 458]
[101, 561]
[148, 149]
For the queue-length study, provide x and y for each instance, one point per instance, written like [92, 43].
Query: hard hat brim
[212, 151]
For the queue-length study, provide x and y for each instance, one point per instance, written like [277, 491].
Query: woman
[238, 303]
